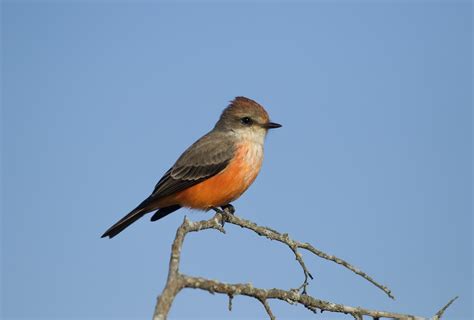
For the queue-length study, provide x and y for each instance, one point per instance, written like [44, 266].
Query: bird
[214, 171]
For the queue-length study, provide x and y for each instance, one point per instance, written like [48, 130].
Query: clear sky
[373, 162]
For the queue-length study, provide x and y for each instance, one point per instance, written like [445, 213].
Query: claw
[228, 208]
[217, 210]
[222, 213]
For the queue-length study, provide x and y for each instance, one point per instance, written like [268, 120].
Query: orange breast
[226, 186]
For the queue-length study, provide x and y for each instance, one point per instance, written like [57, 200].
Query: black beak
[271, 125]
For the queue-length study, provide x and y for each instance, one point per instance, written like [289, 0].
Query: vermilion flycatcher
[215, 170]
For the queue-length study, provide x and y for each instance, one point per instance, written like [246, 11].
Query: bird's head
[246, 118]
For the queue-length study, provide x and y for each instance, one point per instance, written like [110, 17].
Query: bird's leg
[223, 210]
[222, 213]
[217, 210]
[228, 208]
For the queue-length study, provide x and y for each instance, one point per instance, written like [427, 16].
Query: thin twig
[357, 316]
[440, 313]
[292, 297]
[294, 245]
[267, 308]
[177, 281]
[231, 297]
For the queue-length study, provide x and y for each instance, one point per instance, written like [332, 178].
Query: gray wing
[205, 158]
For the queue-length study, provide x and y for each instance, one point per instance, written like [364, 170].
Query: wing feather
[205, 158]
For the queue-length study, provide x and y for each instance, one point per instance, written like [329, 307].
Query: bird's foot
[224, 210]
[221, 212]
[218, 210]
[228, 208]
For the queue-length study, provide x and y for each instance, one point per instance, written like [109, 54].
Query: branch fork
[177, 281]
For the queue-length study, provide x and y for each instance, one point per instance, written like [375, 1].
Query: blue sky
[373, 163]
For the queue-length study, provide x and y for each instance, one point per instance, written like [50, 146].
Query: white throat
[255, 136]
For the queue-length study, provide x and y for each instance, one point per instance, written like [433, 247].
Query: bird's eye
[246, 120]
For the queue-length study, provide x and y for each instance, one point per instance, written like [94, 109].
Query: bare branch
[267, 309]
[174, 284]
[292, 297]
[231, 297]
[357, 316]
[440, 313]
[177, 281]
[294, 245]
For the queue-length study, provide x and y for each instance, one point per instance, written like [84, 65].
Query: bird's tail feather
[130, 218]
[163, 212]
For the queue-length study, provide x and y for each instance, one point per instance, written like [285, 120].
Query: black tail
[163, 212]
[130, 218]
[136, 214]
